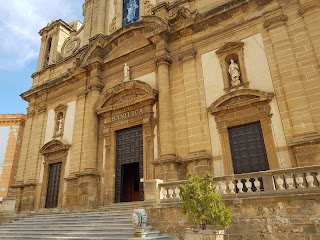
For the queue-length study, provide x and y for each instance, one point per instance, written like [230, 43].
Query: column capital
[164, 60]
[97, 86]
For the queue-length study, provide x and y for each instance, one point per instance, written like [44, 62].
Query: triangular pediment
[125, 94]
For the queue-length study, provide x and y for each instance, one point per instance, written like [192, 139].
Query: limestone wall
[261, 218]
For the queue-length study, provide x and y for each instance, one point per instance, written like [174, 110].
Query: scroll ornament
[70, 46]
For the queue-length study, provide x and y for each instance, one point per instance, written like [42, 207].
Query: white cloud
[20, 22]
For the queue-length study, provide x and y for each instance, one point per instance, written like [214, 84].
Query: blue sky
[20, 22]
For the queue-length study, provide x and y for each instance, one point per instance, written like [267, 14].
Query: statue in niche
[60, 121]
[131, 8]
[234, 72]
[126, 71]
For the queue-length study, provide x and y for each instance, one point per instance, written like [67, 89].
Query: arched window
[47, 55]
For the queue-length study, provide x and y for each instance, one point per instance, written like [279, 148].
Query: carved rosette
[70, 46]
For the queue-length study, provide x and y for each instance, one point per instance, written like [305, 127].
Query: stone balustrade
[270, 182]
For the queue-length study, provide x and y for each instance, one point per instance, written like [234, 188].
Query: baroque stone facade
[230, 87]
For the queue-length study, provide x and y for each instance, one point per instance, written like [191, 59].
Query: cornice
[9, 119]
[76, 56]
[54, 24]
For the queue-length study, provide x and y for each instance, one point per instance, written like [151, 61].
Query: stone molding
[55, 24]
[10, 119]
[167, 159]
[112, 98]
[196, 156]
[54, 146]
[257, 96]
[167, 60]
[189, 54]
[305, 139]
[274, 19]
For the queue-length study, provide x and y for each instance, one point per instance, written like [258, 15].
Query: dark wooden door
[129, 149]
[53, 185]
[248, 149]
[130, 182]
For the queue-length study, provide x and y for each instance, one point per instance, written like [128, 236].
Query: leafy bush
[202, 204]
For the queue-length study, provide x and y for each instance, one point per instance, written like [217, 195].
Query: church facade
[144, 91]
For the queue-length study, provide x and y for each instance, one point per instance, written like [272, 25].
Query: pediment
[229, 46]
[125, 40]
[54, 146]
[239, 98]
[123, 95]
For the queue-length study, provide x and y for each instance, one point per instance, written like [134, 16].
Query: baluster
[177, 192]
[248, 185]
[170, 191]
[310, 180]
[231, 187]
[240, 186]
[161, 193]
[223, 187]
[299, 180]
[318, 178]
[164, 193]
[289, 181]
[257, 184]
[217, 189]
[279, 182]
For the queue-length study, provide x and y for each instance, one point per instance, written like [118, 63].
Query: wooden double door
[129, 165]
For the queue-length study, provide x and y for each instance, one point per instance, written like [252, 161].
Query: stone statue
[60, 123]
[132, 6]
[126, 71]
[234, 72]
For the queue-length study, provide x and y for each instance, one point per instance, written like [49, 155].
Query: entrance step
[106, 224]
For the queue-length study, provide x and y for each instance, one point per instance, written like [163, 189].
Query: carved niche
[231, 57]
[59, 120]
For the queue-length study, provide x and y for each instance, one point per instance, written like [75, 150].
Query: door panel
[53, 185]
[129, 149]
[248, 149]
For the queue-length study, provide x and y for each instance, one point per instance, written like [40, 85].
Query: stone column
[88, 177]
[167, 146]
[168, 158]
[90, 134]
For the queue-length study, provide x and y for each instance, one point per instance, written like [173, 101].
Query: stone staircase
[112, 222]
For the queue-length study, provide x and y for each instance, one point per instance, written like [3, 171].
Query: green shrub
[202, 204]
